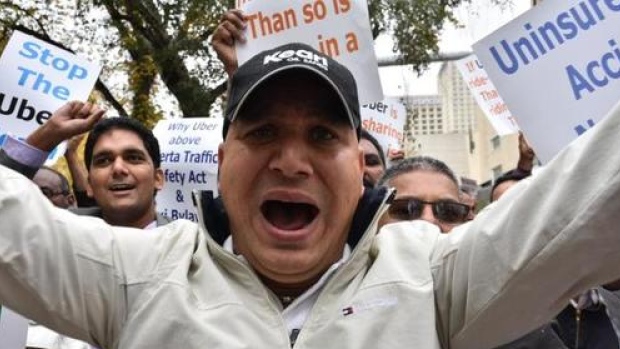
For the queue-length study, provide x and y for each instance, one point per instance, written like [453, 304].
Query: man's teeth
[121, 186]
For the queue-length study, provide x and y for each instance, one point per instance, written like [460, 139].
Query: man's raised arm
[69, 120]
[548, 239]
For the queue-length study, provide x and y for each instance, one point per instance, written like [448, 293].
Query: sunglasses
[446, 211]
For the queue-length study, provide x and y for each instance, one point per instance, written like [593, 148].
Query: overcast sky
[479, 20]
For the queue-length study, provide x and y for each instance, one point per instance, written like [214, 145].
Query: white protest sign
[189, 161]
[38, 78]
[386, 122]
[338, 28]
[486, 95]
[13, 330]
[558, 68]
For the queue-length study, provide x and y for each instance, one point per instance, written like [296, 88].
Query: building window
[497, 171]
[496, 142]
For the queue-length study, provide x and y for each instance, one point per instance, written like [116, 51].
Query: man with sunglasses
[426, 189]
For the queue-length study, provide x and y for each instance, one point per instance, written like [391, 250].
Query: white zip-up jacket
[507, 272]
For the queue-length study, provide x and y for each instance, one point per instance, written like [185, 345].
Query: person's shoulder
[403, 252]
[416, 235]
[424, 238]
[162, 220]
[175, 227]
[163, 247]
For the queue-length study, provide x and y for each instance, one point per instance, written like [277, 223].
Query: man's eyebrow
[134, 150]
[102, 153]
[107, 152]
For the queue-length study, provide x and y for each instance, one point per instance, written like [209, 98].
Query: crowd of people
[317, 238]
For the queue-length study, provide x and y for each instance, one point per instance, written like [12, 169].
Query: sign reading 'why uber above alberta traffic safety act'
[189, 160]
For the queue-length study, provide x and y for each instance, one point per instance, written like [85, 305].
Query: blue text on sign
[37, 80]
[32, 50]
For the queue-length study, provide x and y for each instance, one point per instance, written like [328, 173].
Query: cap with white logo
[270, 63]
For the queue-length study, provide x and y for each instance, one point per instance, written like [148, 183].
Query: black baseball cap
[284, 59]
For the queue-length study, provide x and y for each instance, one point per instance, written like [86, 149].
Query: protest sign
[189, 161]
[385, 120]
[38, 78]
[13, 330]
[486, 95]
[558, 69]
[338, 28]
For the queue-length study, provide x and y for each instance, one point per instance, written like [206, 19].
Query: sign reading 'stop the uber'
[38, 78]
[38, 61]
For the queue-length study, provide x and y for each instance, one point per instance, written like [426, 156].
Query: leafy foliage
[156, 54]
[414, 24]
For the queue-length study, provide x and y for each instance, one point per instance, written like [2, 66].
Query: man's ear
[220, 156]
[89, 187]
[71, 200]
[159, 179]
[361, 160]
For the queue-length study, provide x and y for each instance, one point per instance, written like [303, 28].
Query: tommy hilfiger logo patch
[360, 307]
[303, 56]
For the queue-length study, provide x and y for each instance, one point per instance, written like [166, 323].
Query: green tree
[155, 50]
[415, 26]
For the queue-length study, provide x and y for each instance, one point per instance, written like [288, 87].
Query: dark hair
[516, 174]
[123, 123]
[367, 136]
[64, 182]
[416, 163]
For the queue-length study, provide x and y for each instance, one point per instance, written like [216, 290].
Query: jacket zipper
[578, 315]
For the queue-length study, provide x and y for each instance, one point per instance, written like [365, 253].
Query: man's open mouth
[289, 215]
[121, 187]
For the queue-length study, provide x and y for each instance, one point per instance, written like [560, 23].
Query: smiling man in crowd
[123, 161]
[124, 172]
